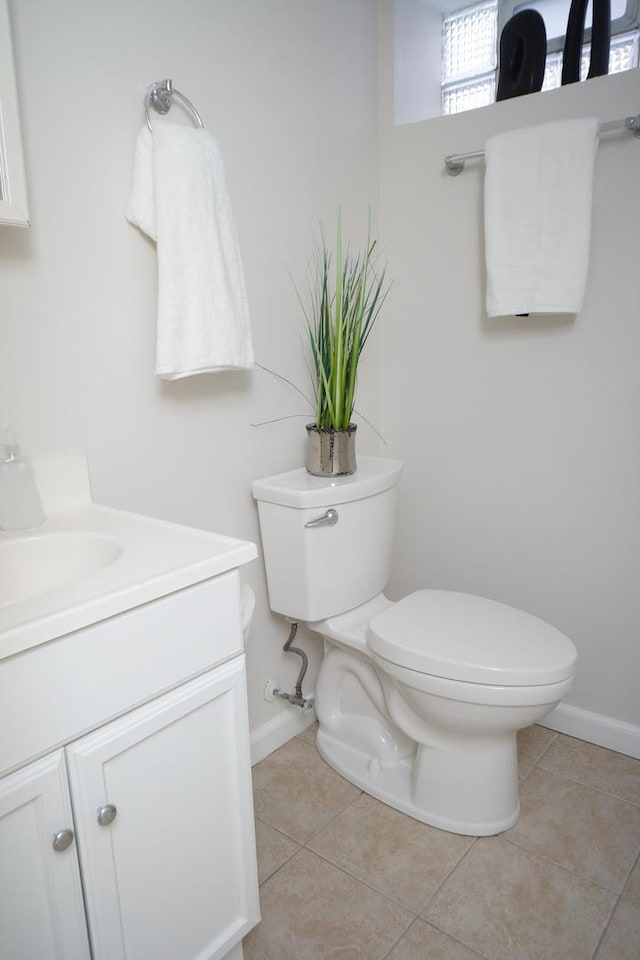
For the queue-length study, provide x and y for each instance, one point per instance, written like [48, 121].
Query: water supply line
[296, 698]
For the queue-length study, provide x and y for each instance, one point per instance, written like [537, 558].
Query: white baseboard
[595, 728]
[287, 723]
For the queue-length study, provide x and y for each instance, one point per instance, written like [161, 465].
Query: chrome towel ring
[159, 96]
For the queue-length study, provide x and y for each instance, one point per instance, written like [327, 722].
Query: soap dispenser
[20, 506]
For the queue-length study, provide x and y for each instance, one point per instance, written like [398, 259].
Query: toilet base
[448, 763]
[394, 783]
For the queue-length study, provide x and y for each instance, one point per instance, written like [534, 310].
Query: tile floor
[344, 877]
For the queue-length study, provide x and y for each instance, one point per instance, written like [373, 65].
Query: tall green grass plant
[347, 297]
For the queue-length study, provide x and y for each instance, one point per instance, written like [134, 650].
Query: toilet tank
[314, 572]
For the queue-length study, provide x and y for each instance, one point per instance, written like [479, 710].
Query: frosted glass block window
[469, 42]
[469, 53]
[623, 55]
[555, 14]
[625, 16]
[469, 45]
[552, 72]
[468, 95]
[624, 52]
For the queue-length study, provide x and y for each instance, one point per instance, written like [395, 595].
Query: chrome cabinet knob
[62, 840]
[107, 814]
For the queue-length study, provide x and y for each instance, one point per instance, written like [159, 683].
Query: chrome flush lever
[328, 519]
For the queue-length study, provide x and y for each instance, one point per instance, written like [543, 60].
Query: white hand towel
[538, 194]
[179, 198]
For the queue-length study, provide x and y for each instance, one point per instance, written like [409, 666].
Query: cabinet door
[41, 908]
[173, 875]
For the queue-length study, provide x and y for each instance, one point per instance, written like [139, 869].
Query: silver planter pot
[331, 453]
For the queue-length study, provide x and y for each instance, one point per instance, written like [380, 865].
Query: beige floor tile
[594, 766]
[296, 792]
[532, 743]
[309, 734]
[274, 849]
[313, 911]
[632, 889]
[622, 939]
[424, 942]
[511, 905]
[523, 772]
[402, 858]
[588, 832]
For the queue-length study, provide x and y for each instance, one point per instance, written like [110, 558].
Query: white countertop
[156, 558]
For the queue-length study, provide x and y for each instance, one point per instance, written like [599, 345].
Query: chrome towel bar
[159, 96]
[454, 163]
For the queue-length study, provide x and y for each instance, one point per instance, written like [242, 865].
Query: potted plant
[346, 298]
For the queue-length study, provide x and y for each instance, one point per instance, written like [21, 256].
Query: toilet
[418, 701]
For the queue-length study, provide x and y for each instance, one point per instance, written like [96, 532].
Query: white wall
[519, 436]
[417, 60]
[289, 89]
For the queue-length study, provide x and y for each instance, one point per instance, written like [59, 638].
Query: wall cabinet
[151, 815]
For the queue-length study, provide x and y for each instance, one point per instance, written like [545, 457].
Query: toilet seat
[459, 636]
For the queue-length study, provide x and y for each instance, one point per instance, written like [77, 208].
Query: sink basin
[30, 566]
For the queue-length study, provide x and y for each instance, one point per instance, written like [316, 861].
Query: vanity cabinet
[151, 811]
[41, 907]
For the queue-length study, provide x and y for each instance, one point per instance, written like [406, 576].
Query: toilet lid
[463, 637]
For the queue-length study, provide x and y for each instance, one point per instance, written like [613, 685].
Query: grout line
[545, 750]
[481, 956]
[365, 883]
[606, 927]
[560, 866]
[525, 776]
[576, 779]
[573, 779]
[301, 735]
[399, 938]
[442, 883]
[277, 829]
[590, 786]
[299, 847]
[334, 818]
[635, 863]
[532, 764]
[279, 868]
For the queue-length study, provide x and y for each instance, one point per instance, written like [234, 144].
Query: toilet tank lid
[463, 637]
[298, 488]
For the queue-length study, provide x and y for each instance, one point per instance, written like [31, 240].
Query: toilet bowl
[419, 701]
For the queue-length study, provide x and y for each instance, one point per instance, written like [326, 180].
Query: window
[623, 55]
[624, 17]
[469, 45]
[470, 41]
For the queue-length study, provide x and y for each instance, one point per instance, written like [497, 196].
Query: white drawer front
[53, 693]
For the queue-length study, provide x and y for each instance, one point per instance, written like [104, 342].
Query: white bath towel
[179, 198]
[538, 195]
